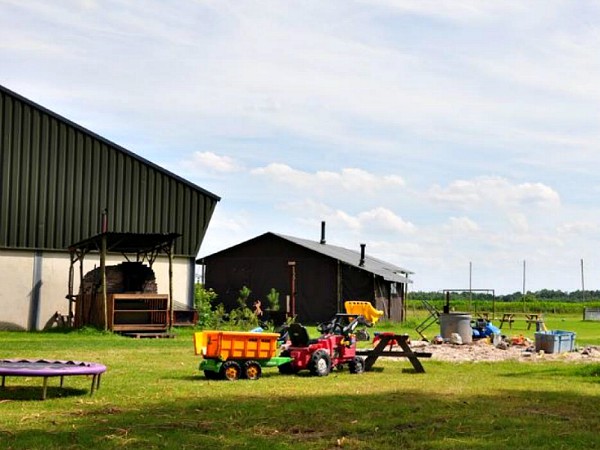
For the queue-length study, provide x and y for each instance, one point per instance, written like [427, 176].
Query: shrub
[273, 298]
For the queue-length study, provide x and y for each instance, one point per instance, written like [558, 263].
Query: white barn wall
[17, 278]
[16, 275]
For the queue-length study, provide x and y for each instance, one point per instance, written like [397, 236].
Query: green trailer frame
[234, 369]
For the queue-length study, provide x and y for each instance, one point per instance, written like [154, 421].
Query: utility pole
[524, 273]
[470, 284]
[582, 283]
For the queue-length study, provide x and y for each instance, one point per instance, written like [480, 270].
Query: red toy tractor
[335, 348]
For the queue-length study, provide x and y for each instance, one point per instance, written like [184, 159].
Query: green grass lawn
[153, 396]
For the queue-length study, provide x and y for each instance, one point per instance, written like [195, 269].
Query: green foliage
[243, 317]
[204, 302]
[515, 297]
[244, 294]
[273, 299]
[212, 315]
[544, 301]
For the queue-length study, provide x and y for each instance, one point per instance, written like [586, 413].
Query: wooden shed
[313, 278]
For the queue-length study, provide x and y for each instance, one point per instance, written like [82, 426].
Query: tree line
[530, 296]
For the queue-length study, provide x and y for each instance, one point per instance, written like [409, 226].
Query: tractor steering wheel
[324, 327]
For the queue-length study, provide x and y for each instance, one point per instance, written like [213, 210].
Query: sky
[458, 139]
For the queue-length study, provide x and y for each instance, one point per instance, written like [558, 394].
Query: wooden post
[292, 266]
[103, 270]
[170, 250]
[71, 276]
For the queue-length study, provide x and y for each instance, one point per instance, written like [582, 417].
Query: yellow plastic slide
[364, 309]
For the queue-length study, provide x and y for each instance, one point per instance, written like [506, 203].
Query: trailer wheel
[357, 365]
[231, 370]
[320, 363]
[252, 370]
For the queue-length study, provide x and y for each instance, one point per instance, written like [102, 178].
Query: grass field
[153, 396]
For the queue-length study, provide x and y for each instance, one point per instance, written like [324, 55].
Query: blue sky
[439, 133]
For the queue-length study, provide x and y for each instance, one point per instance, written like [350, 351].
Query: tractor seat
[299, 335]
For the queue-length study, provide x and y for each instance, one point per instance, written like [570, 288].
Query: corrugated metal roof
[77, 127]
[384, 269]
[57, 177]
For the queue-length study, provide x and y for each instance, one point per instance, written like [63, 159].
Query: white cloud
[461, 225]
[375, 220]
[579, 228]
[456, 10]
[519, 222]
[384, 219]
[494, 192]
[212, 162]
[348, 179]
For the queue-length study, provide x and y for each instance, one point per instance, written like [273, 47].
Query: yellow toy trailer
[232, 355]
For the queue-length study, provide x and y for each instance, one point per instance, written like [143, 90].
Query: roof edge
[108, 142]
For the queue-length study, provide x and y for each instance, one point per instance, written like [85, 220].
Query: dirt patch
[480, 351]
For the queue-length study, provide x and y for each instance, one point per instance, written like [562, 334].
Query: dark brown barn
[322, 275]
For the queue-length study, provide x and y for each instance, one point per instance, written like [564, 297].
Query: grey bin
[456, 323]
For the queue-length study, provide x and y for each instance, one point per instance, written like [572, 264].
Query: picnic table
[387, 340]
[530, 319]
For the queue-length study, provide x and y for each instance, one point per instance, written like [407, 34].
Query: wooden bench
[507, 318]
[530, 319]
[533, 319]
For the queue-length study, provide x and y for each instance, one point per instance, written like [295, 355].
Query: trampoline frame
[50, 368]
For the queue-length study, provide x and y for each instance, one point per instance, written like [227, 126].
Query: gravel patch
[480, 351]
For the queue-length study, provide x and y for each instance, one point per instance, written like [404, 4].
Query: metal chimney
[362, 255]
[323, 232]
[104, 222]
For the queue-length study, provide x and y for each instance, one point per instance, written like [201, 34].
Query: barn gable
[56, 180]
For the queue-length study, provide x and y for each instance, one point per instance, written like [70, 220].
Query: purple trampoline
[50, 368]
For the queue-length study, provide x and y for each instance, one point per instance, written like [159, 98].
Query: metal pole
[524, 270]
[582, 283]
[470, 284]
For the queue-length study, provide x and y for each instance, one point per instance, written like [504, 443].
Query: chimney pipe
[323, 232]
[362, 255]
[104, 225]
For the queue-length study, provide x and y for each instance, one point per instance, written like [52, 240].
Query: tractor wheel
[231, 370]
[320, 363]
[357, 365]
[212, 375]
[252, 370]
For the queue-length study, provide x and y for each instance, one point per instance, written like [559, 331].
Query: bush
[273, 298]
[204, 300]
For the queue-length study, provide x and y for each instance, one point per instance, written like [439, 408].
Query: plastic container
[226, 345]
[456, 323]
[555, 341]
